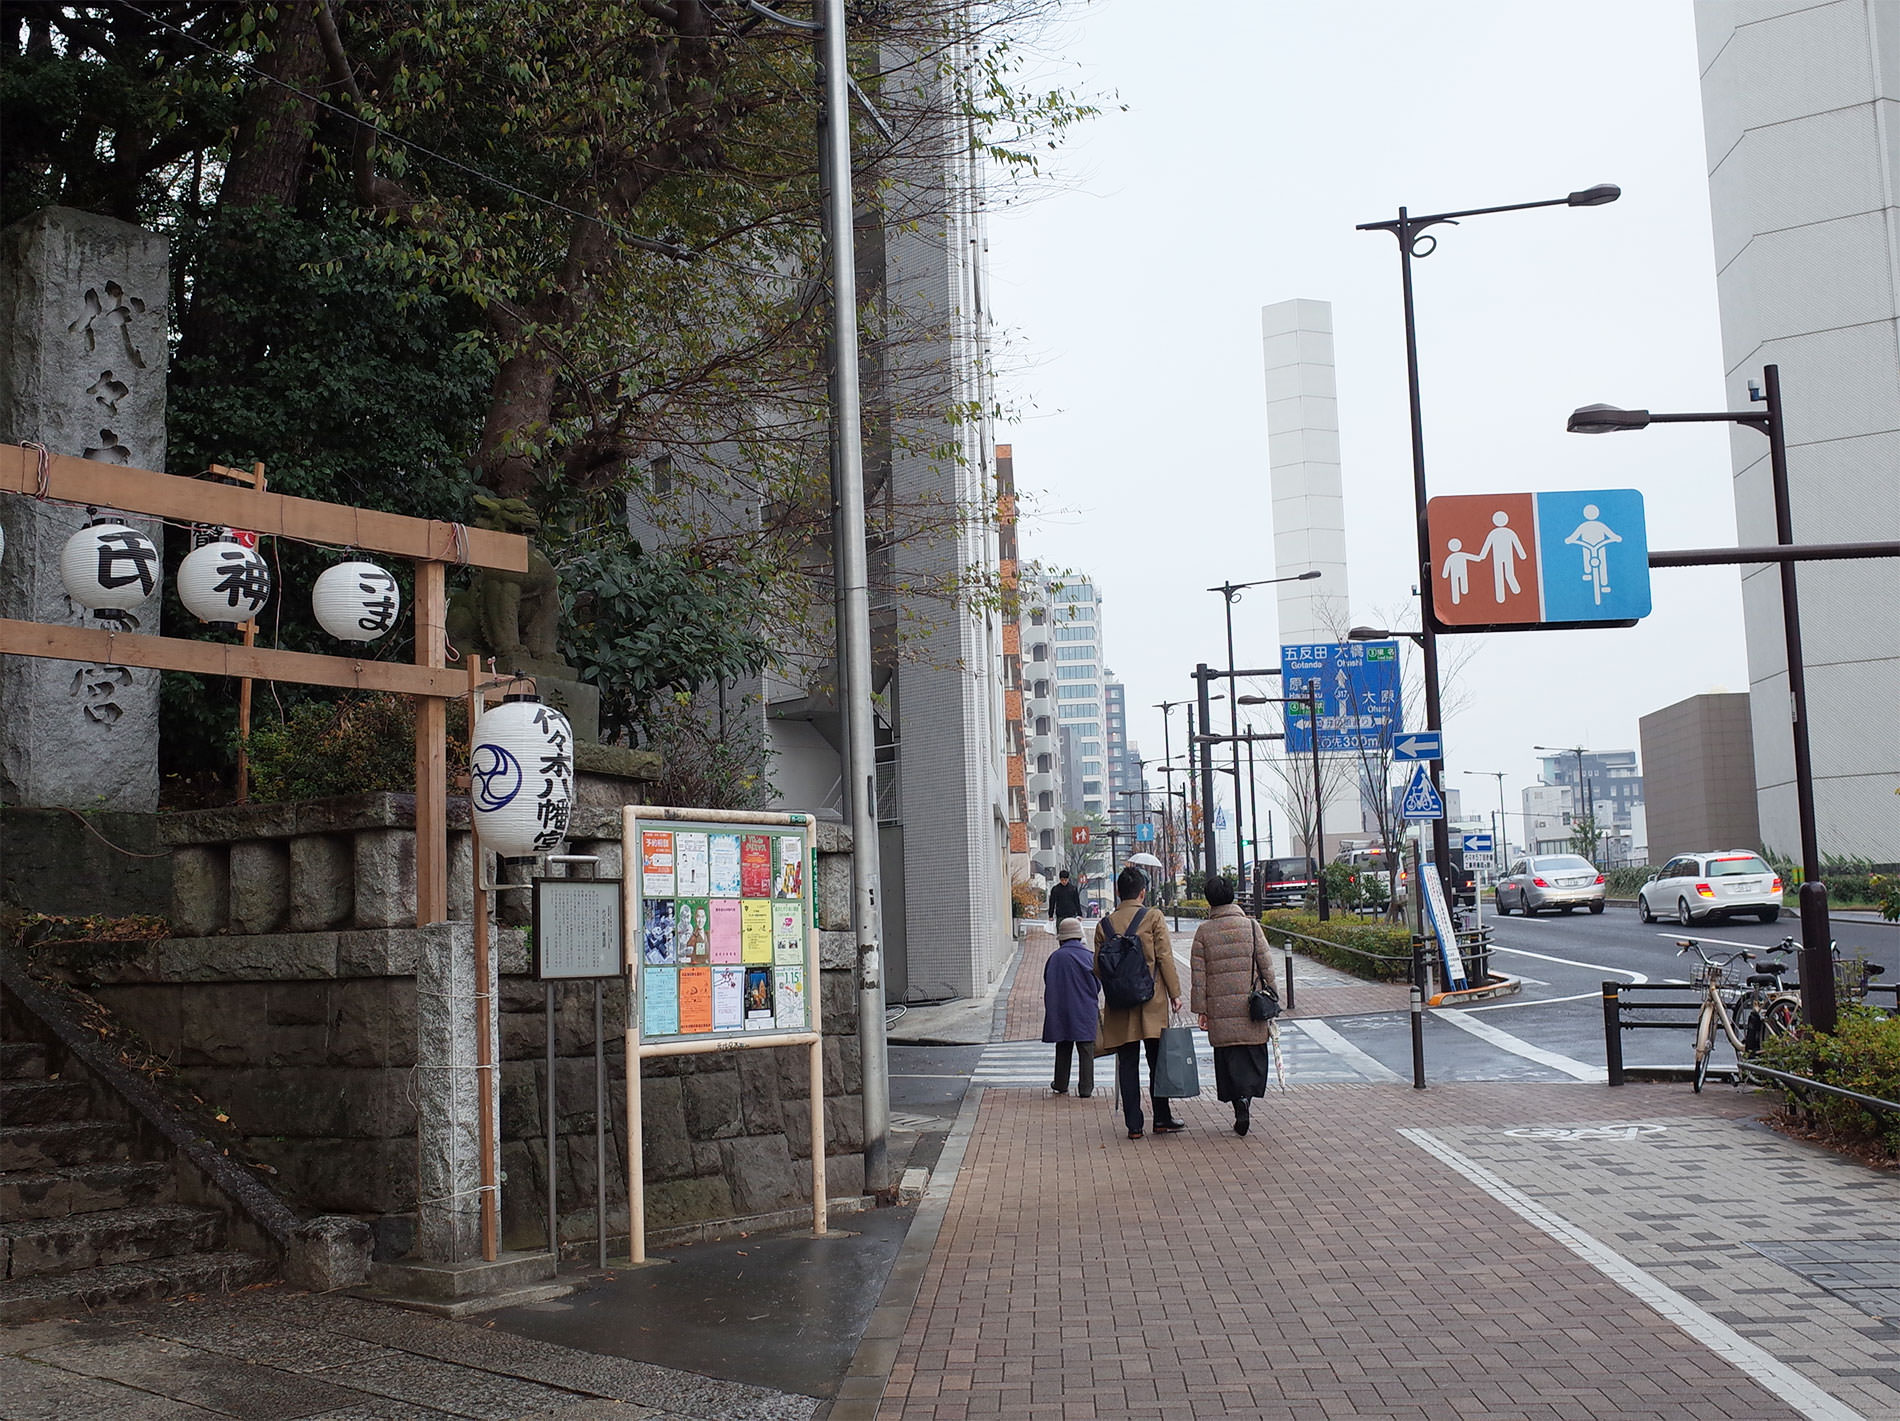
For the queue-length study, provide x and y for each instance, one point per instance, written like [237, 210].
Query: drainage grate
[1862, 1272]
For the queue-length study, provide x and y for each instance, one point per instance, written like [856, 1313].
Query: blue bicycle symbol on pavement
[494, 777]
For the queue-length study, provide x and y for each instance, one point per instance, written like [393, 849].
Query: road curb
[1498, 986]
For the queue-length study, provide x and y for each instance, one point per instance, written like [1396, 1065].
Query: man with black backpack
[1133, 954]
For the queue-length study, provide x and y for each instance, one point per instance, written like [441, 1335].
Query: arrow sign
[1144, 833]
[1477, 843]
[1421, 800]
[1419, 745]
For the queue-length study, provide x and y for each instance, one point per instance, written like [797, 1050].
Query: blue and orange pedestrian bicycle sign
[1520, 560]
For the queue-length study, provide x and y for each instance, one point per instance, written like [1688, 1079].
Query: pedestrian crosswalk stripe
[1315, 1055]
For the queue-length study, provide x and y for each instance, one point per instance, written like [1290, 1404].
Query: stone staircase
[89, 1201]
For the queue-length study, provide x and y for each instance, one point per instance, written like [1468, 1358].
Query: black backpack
[1126, 980]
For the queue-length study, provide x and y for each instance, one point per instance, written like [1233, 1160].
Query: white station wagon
[1718, 884]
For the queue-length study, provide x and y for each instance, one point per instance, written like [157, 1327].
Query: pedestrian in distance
[1127, 1031]
[1069, 1012]
[1065, 899]
[1229, 948]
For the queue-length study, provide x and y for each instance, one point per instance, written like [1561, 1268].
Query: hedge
[1376, 951]
[1862, 1054]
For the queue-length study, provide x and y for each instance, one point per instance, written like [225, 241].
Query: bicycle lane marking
[1777, 1377]
[1628, 972]
[1517, 1046]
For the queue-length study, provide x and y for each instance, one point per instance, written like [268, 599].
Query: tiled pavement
[1553, 1251]
[1369, 1251]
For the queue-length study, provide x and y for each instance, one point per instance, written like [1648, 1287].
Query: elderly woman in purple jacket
[1069, 1017]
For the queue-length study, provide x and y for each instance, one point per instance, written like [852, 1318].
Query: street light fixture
[1503, 846]
[1818, 1004]
[1383, 634]
[1230, 593]
[1415, 240]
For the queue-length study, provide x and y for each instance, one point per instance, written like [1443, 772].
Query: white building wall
[1800, 108]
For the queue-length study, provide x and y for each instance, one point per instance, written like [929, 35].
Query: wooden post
[484, 1039]
[244, 683]
[432, 769]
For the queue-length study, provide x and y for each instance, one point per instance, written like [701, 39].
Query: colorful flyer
[695, 1000]
[788, 934]
[692, 931]
[758, 999]
[728, 998]
[656, 863]
[660, 1001]
[789, 1008]
[692, 865]
[790, 881]
[755, 865]
[657, 943]
[724, 857]
[755, 930]
[725, 929]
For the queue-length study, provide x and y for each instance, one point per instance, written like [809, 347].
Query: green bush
[356, 746]
[1862, 1054]
[1375, 951]
[1190, 908]
[1623, 882]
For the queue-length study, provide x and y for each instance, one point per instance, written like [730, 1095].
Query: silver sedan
[1563, 881]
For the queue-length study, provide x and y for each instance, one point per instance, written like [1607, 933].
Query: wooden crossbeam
[119, 486]
[99, 646]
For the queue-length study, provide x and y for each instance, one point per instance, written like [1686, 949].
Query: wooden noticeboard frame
[711, 823]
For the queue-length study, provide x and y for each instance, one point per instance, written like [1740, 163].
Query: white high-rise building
[1801, 103]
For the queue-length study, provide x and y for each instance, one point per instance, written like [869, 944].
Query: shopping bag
[1176, 1075]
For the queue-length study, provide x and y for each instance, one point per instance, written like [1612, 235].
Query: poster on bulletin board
[726, 938]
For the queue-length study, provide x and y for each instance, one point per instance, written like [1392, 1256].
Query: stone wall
[308, 1038]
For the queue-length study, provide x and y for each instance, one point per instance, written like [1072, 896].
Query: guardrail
[1803, 1083]
[1677, 1014]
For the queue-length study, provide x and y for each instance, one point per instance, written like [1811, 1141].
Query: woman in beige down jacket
[1227, 948]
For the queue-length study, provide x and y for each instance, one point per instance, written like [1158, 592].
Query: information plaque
[577, 929]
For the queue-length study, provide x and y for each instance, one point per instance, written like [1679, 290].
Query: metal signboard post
[721, 930]
[1360, 703]
[578, 936]
[1515, 561]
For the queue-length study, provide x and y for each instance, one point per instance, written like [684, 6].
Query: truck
[1284, 882]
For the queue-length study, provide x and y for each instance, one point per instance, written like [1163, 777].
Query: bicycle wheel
[1781, 1017]
[1704, 1043]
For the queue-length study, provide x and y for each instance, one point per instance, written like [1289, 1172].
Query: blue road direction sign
[1422, 800]
[1419, 745]
[1144, 833]
[1477, 843]
[1359, 703]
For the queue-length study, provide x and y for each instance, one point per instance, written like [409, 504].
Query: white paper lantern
[109, 567]
[521, 777]
[224, 582]
[356, 601]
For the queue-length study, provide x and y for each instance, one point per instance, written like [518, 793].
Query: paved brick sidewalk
[1475, 1251]
[1023, 1020]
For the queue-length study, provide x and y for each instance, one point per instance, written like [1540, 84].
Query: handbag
[1176, 1074]
[1263, 1003]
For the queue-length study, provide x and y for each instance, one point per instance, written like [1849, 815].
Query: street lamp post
[1317, 845]
[1502, 848]
[1415, 240]
[1586, 813]
[1230, 594]
[1818, 1003]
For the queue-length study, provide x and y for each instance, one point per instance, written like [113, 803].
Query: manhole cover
[1585, 1132]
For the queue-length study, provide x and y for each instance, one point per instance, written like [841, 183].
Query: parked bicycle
[1743, 997]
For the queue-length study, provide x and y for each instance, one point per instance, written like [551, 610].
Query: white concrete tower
[1801, 103]
[1309, 504]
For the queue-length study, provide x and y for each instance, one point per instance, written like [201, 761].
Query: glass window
[1039, 652]
[1048, 838]
[1042, 725]
[1042, 690]
[1036, 618]
[1565, 863]
[1076, 673]
[1073, 693]
[1075, 653]
[1091, 747]
[1075, 633]
[1045, 802]
[1736, 864]
[1077, 614]
[1044, 764]
[1092, 787]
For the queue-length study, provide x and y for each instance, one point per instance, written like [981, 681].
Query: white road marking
[1572, 962]
[1320, 1032]
[1533, 1001]
[1517, 1046]
[1784, 1381]
[1682, 934]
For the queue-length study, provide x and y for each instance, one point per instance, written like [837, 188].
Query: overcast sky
[1257, 133]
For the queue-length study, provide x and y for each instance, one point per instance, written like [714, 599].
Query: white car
[1716, 884]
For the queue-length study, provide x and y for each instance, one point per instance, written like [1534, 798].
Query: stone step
[136, 1235]
[22, 1061]
[84, 1189]
[40, 1102]
[36, 1148]
[68, 1294]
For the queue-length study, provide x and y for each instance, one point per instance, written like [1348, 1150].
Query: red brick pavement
[1322, 1267]
[1023, 1020]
